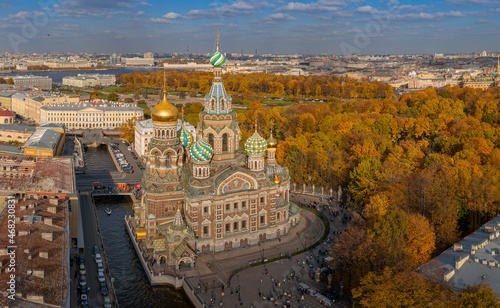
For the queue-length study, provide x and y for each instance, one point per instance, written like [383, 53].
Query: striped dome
[185, 137]
[201, 151]
[255, 145]
[217, 59]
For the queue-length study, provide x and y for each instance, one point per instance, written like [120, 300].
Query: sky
[339, 27]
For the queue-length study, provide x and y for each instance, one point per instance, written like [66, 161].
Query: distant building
[73, 64]
[96, 114]
[89, 80]
[114, 59]
[144, 133]
[484, 81]
[39, 82]
[19, 133]
[28, 104]
[149, 55]
[139, 61]
[7, 117]
[47, 140]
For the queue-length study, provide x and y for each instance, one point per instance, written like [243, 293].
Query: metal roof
[43, 140]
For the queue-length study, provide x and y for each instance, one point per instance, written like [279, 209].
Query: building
[114, 59]
[47, 140]
[139, 61]
[89, 80]
[42, 269]
[149, 55]
[7, 117]
[483, 81]
[18, 133]
[144, 132]
[472, 261]
[73, 64]
[96, 114]
[28, 104]
[39, 82]
[206, 196]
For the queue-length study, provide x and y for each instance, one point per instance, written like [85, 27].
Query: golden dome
[164, 112]
[271, 142]
[276, 179]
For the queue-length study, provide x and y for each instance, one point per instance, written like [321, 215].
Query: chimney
[44, 254]
[48, 221]
[51, 209]
[47, 236]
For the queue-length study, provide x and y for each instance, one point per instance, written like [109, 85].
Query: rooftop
[43, 139]
[473, 260]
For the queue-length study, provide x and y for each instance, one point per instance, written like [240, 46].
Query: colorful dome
[201, 151]
[164, 112]
[185, 137]
[255, 145]
[217, 59]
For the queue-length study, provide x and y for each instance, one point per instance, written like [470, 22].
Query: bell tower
[219, 124]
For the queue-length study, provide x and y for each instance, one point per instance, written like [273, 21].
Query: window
[205, 210]
[262, 201]
[224, 143]
[228, 227]
[227, 207]
[243, 224]
[243, 204]
[278, 216]
[211, 140]
[205, 230]
[262, 220]
[235, 206]
[235, 226]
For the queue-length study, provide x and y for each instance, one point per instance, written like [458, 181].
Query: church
[205, 195]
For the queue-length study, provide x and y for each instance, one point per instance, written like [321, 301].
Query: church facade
[204, 195]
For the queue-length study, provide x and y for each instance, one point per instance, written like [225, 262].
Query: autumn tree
[113, 97]
[127, 129]
[478, 296]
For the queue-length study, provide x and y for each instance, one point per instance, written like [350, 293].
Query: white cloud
[367, 9]
[235, 9]
[144, 3]
[220, 25]
[485, 21]
[315, 7]
[140, 13]
[408, 8]
[67, 27]
[172, 15]
[278, 17]
[164, 21]
[472, 2]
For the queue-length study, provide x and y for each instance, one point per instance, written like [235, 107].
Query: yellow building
[28, 104]
[101, 114]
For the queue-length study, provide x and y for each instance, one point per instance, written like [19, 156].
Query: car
[104, 288]
[83, 281]
[129, 148]
[82, 259]
[100, 267]
[84, 297]
[82, 270]
[98, 258]
[107, 302]
[96, 250]
[123, 141]
[100, 277]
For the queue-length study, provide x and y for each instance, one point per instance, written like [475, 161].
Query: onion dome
[164, 112]
[201, 151]
[276, 179]
[271, 142]
[185, 137]
[255, 145]
[217, 59]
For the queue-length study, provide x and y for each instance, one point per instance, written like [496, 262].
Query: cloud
[408, 8]
[220, 25]
[235, 9]
[94, 8]
[497, 10]
[172, 15]
[472, 2]
[485, 21]
[144, 3]
[277, 17]
[315, 7]
[367, 9]
[427, 16]
[140, 13]
[164, 21]
[68, 27]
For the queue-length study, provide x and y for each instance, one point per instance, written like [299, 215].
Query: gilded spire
[255, 122]
[217, 44]
[164, 112]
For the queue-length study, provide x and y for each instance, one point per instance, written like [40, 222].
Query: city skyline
[283, 27]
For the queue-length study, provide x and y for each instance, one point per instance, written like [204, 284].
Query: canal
[130, 282]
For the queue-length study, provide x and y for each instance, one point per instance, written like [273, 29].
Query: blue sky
[270, 26]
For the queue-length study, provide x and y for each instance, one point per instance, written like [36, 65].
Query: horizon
[331, 27]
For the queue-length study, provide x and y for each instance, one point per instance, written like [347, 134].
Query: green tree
[364, 178]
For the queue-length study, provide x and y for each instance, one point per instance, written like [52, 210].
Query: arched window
[211, 140]
[224, 143]
[167, 160]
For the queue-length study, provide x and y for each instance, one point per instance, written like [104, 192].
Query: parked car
[100, 268]
[98, 258]
[83, 281]
[82, 269]
[100, 277]
[84, 300]
[82, 259]
[96, 250]
[104, 288]
[107, 302]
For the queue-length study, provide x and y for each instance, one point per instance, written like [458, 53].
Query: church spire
[217, 101]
